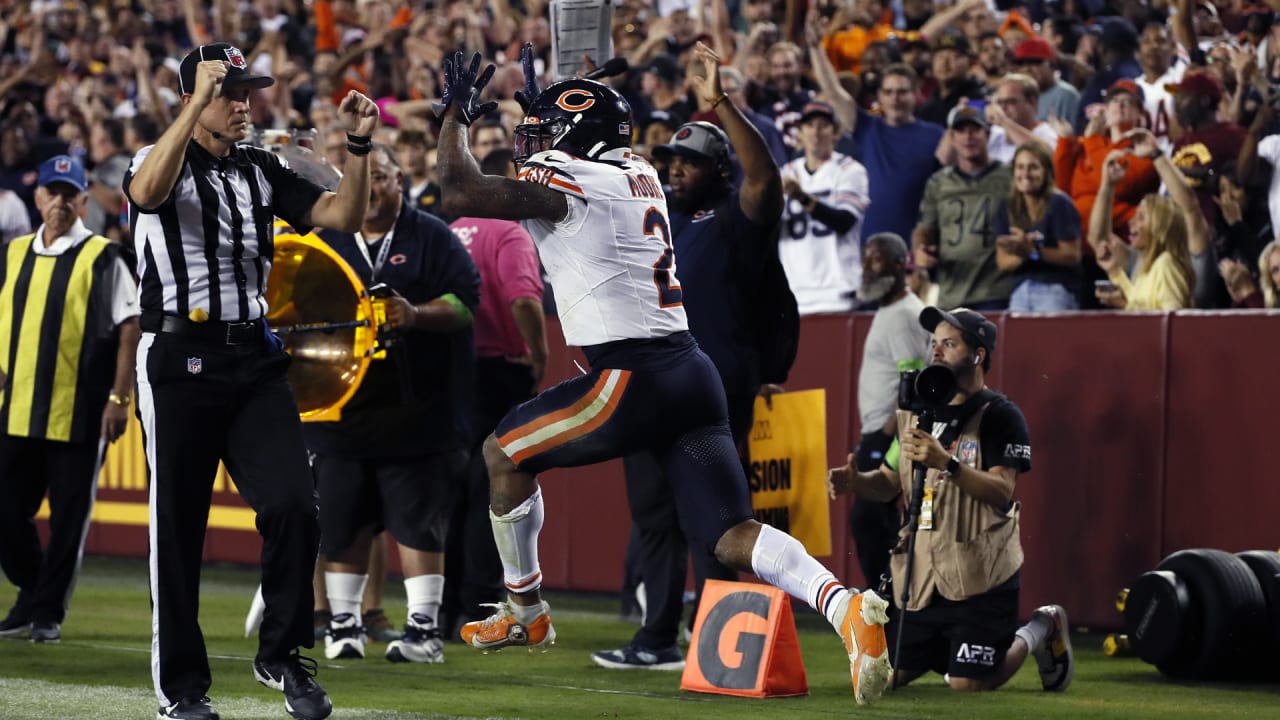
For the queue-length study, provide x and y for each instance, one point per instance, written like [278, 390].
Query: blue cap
[63, 169]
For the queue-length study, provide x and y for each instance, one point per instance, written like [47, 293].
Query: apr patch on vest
[970, 654]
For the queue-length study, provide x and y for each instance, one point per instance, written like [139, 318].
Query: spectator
[993, 57]
[895, 148]
[827, 197]
[852, 29]
[1117, 41]
[951, 62]
[1058, 98]
[786, 95]
[1160, 68]
[110, 162]
[1078, 166]
[1165, 232]
[1244, 291]
[895, 343]
[661, 85]
[653, 130]
[14, 220]
[1206, 144]
[1038, 236]
[1012, 114]
[487, 137]
[956, 234]
[413, 156]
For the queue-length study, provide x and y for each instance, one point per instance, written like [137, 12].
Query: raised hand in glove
[530, 92]
[462, 88]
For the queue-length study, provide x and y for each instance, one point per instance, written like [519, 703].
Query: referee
[211, 376]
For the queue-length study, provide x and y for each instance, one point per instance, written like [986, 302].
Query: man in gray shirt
[895, 343]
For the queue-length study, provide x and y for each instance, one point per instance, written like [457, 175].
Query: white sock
[516, 535]
[525, 614]
[424, 593]
[345, 591]
[1035, 632]
[782, 561]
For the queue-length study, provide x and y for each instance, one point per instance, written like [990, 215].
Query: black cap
[817, 108]
[662, 117]
[952, 40]
[1114, 32]
[237, 70]
[976, 329]
[665, 67]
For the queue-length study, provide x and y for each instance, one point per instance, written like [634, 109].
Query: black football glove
[463, 88]
[530, 92]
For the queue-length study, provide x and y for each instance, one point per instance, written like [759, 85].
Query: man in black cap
[211, 375]
[952, 60]
[662, 88]
[1115, 55]
[961, 617]
[722, 234]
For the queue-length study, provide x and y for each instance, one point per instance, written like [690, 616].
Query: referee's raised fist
[358, 114]
[209, 77]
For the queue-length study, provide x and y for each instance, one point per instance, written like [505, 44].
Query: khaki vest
[973, 546]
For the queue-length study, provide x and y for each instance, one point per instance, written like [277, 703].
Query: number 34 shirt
[610, 260]
[824, 267]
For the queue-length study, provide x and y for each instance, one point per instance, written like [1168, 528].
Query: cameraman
[963, 607]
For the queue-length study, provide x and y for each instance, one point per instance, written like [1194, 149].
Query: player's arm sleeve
[549, 174]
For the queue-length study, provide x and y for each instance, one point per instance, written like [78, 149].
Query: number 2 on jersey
[664, 271]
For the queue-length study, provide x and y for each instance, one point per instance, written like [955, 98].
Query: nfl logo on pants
[194, 365]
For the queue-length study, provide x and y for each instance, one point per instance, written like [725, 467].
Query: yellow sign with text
[788, 473]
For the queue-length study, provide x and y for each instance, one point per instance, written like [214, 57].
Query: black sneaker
[46, 632]
[189, 709]
[295, 676]
[16, 623]
[634, 657]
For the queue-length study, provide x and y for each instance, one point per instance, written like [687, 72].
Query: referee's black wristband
[359, 150]
[359, 139]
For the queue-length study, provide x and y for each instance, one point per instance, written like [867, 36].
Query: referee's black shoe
[16, 623]
[188, 709]
[304, 699]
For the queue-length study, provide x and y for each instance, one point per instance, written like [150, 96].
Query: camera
[927, 389]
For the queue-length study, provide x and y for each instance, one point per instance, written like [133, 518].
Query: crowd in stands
[1037, 155]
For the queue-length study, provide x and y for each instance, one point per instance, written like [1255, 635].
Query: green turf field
[101, 670]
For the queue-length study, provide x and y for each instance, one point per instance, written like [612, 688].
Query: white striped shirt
[209, 245]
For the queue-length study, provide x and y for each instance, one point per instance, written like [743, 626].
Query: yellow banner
[788, 474]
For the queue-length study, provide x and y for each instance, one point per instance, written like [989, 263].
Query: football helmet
[581, 117]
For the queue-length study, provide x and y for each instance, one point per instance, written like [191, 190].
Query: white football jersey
[823, 268]
[610, 260]
[1157, 103]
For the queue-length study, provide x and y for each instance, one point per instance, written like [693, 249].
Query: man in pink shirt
[511, 356]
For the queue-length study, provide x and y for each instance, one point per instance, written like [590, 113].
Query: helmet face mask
[583, 118]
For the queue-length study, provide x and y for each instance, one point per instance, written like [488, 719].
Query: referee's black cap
[237, 68]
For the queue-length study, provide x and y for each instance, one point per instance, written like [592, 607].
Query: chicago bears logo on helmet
[565, 102]
[236, 58]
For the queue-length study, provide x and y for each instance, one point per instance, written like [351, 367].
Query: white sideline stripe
[22, 699]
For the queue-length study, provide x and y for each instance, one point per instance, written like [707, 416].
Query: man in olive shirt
[956, 238]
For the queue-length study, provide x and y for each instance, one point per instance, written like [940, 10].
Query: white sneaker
[421, 642]
[1055, 657]
[344, 638]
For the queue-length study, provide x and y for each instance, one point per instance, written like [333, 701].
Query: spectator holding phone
[1164, 231]
[1038, 236]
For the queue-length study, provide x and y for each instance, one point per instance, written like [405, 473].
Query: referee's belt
[213, 331]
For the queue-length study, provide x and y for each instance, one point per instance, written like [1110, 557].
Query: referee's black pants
[68, 471]
[201, 402]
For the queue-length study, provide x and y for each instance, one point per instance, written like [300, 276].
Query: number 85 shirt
[610, 260]
[821, 250]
